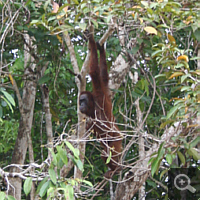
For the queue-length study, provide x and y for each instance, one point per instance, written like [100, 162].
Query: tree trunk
[25, 125]
[46, 106]
[81, 84]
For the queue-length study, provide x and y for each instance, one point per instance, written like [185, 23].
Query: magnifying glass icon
[182, 182]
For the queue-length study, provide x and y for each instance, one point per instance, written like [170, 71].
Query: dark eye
[83, 102]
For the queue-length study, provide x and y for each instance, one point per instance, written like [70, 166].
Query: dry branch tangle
[135, 177]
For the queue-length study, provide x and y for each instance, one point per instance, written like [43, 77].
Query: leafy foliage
[55, 186]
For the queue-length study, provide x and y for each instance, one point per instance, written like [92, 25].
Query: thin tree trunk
[46, 106]
[81, 84]
[141, 148]
[25, 125]
[31, 159]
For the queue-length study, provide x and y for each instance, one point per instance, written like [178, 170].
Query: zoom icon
[182, 182]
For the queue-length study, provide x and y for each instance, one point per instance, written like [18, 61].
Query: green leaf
[8, 103]
[70, 192]
[63, 155]
[46, 4]
[197, 34]
[181, 157]
[35, 22]
[62, 27]
[54, 156]
[69, 145]
[161, 151]
[195, 142]
[184, 77]
[52, 18]
[28, 2]
[195, 58]
[75, 1]
[77, 17]
[52, 175]
[10, 197]
[2, 195]
[155, 53]
[151, 159]
[44, 189]
[44, 79]
[172, 111]
[151, 183]
[95, 23]
[82, 26]
[19, 63]
[60, 163]
[27, 185]
[71, 148]
[179, 65]
[192, 152]
[8, 97]
[146, 85]
[87, 183]
[166, 123]
[108, 18]
[169, 158]
[163, 172]
[154, 166]
[160, 76]
[41, 184]
[72, 182]
[109, 157]
[185, 88]
[79, 164]
[145, 4]
[76, 153]
[50, 191]
[135, 49]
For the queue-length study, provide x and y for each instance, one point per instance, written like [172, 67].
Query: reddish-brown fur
[103, 124]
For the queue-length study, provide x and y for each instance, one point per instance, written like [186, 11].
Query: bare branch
[109, 32]
[72, 56]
